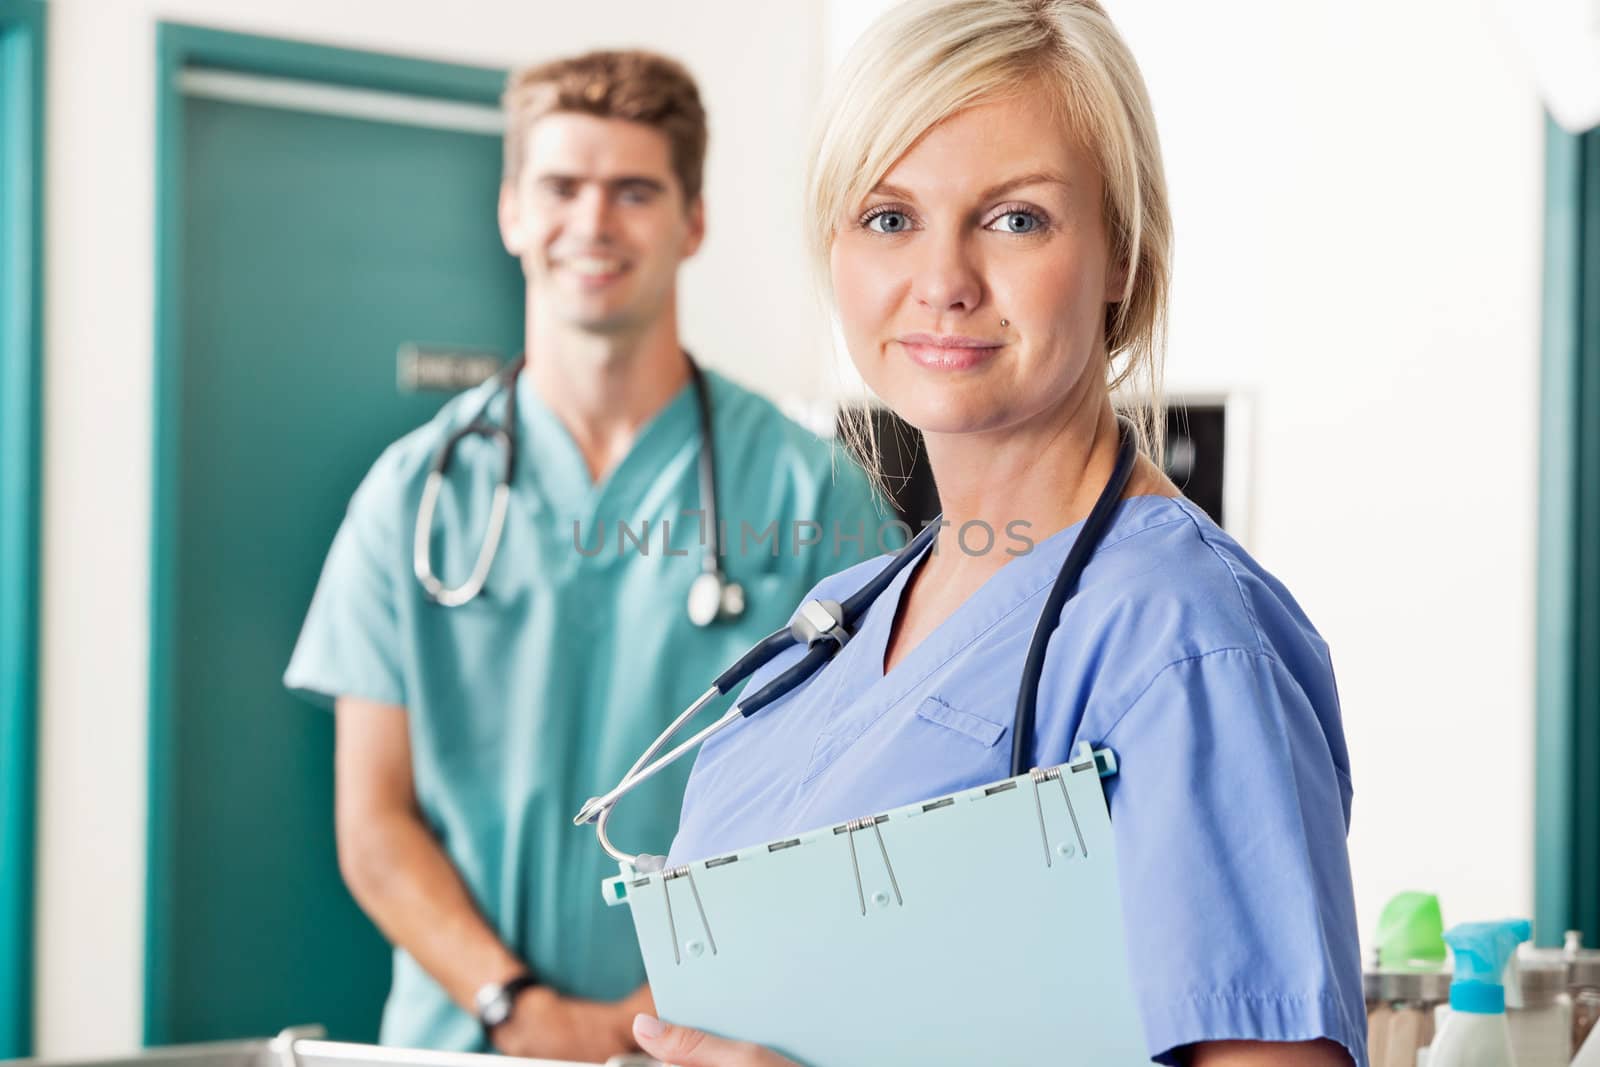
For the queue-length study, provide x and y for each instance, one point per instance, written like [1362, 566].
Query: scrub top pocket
[953, 749]
[981, 730]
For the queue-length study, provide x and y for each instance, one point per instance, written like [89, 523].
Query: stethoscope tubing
[820, 651]
[506, 434]
[1062, 590]
[422, 535]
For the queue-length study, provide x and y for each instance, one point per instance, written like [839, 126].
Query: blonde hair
[638, 86]
[925, 60]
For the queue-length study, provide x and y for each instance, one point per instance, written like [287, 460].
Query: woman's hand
[683, 1047]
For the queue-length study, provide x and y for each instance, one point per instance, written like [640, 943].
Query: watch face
[497, 1011]
[494, 1006]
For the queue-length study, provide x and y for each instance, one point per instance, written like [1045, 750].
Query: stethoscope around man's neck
[823, 627]
[713, 597]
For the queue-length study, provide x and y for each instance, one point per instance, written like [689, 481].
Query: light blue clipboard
[980, 928]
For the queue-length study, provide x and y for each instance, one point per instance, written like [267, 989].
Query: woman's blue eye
[1018, 222]
[889, 222]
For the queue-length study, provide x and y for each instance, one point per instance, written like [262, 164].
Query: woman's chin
[947, 414]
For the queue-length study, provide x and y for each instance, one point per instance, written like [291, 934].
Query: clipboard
[980, 927]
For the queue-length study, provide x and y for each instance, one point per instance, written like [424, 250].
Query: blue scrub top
[1198, 669]
[541, 692]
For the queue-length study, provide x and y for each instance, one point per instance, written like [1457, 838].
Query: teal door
[307, 248]
[1567, 842]
[22, 52]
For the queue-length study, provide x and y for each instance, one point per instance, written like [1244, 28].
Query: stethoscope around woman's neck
[824, 626]
[713, 597]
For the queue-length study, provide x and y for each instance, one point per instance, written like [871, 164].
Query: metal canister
[1400, 1013]
[1583, 985]
[1541, 1024]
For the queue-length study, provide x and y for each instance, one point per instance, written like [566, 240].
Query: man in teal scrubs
[469, 736]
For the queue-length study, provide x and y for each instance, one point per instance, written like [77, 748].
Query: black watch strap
[525, 980]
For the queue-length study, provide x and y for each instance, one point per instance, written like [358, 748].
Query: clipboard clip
[1085, 759]
[850, 829]
[694, 946]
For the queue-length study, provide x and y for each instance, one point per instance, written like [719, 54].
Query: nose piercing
[1005, 322]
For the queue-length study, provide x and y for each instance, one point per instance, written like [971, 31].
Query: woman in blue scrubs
[989, 209]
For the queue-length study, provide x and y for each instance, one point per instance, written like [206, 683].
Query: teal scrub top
[542, 692]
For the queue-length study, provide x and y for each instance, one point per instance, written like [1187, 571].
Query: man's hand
[546, 1025]
[683, 1047]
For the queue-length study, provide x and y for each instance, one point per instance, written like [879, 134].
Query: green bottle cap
[1411, 934]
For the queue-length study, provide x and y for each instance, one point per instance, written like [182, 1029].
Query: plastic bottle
[1475, 1033]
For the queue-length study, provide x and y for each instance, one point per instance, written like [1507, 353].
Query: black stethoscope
[713, 597]
[824, 626]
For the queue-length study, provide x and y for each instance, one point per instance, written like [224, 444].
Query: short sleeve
[350, 644]
[1229, 817]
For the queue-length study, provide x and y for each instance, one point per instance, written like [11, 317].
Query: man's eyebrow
[1038, 177]
[637, 181]
[623, 181]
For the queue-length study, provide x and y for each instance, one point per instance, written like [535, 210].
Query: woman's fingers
[683, 1047]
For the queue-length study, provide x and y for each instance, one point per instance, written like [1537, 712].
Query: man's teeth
[595, 265]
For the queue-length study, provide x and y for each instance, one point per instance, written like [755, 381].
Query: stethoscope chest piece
[713, 598]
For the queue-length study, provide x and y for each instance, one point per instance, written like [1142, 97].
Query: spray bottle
[1475, 1033]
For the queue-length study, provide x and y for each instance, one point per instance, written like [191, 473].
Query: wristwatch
[496, 999]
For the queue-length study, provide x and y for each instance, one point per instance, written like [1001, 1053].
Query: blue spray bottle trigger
[1482, 951]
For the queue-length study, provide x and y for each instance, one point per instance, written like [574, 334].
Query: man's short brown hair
[636, 86]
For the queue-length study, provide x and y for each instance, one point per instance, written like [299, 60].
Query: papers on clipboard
[981, 927]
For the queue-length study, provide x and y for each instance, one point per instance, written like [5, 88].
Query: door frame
[180, 48]
[1567, 720]
[22, 57]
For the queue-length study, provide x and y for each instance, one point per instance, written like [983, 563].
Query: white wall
[1357, 192]
[1358, 200]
